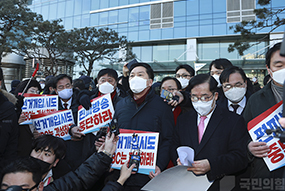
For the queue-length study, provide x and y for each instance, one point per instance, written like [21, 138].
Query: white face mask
[65, 93]
[235, 94]
[138, 84]
[106, 88]
[203, 108]
[42, 86]
[217, 79]
[184, 82]
[279, 76]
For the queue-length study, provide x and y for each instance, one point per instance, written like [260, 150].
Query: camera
[114, 127]
[168, 96]
[135, 157]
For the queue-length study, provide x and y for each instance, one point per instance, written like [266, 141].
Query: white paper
[186, 155]
[178, 178]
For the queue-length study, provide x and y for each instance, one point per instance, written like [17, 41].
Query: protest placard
[37, 104]
[257, 130]
[56, 123]
[147, 142]
[100, 114]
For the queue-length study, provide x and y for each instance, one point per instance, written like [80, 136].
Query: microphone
[269, 131]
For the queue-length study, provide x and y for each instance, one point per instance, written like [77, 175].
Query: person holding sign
[217, 136]
[143, 110]
[78, 150]
[258, 103]
[27, 133]
[107, 83]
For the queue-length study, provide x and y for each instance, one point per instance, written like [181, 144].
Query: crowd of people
[210, 115]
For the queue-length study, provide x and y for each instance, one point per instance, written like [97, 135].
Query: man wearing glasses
[183, 74]
[218, 137]
[234, 84]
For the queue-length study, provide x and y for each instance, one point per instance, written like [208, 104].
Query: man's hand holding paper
[200, 167]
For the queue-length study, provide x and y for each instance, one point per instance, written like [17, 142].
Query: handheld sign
[55, 123]
[257, 130]
[147, 143]
[100, 114]
[37, 104]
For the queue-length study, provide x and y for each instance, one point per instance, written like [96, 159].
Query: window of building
[240, 10]
[161, 15]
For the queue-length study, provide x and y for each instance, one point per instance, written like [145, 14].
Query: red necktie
[201, 127]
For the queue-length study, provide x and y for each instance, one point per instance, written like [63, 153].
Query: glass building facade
[166, 33]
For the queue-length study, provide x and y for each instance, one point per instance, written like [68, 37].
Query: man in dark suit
[218, 137]
[234, 84]
[258, 103]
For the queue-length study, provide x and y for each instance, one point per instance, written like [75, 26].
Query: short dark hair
[178, 84]
[51, 142]
[149, 70]
[220, 63]
[224, 77]
[60, 77]
[21, 86]
[79, 83]
[111, 72]
[202, 78]
[49, 83]
[23, 165]
[269, 53]
[187, 68]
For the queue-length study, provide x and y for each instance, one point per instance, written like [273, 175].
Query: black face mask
[18, 188]
[44, 165]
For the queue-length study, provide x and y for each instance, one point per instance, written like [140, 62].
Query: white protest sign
[147, 142]
[56, 123]
[198, 66]
[37, 104]
[257, 130]
[100, 114]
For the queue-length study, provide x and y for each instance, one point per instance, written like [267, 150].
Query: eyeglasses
[202, 98]
[19, 188]
[229, 86]
[182, 76]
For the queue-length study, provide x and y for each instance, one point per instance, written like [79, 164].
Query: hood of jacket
[9, 96]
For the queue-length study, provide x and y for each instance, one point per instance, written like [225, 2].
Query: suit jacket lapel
[211, 127]
[193, 130]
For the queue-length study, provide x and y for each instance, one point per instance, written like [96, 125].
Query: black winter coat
[258, 103]
[85, 176]
[152, 115]
[8, 130]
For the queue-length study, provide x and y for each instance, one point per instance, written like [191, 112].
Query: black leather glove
[84, 100]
